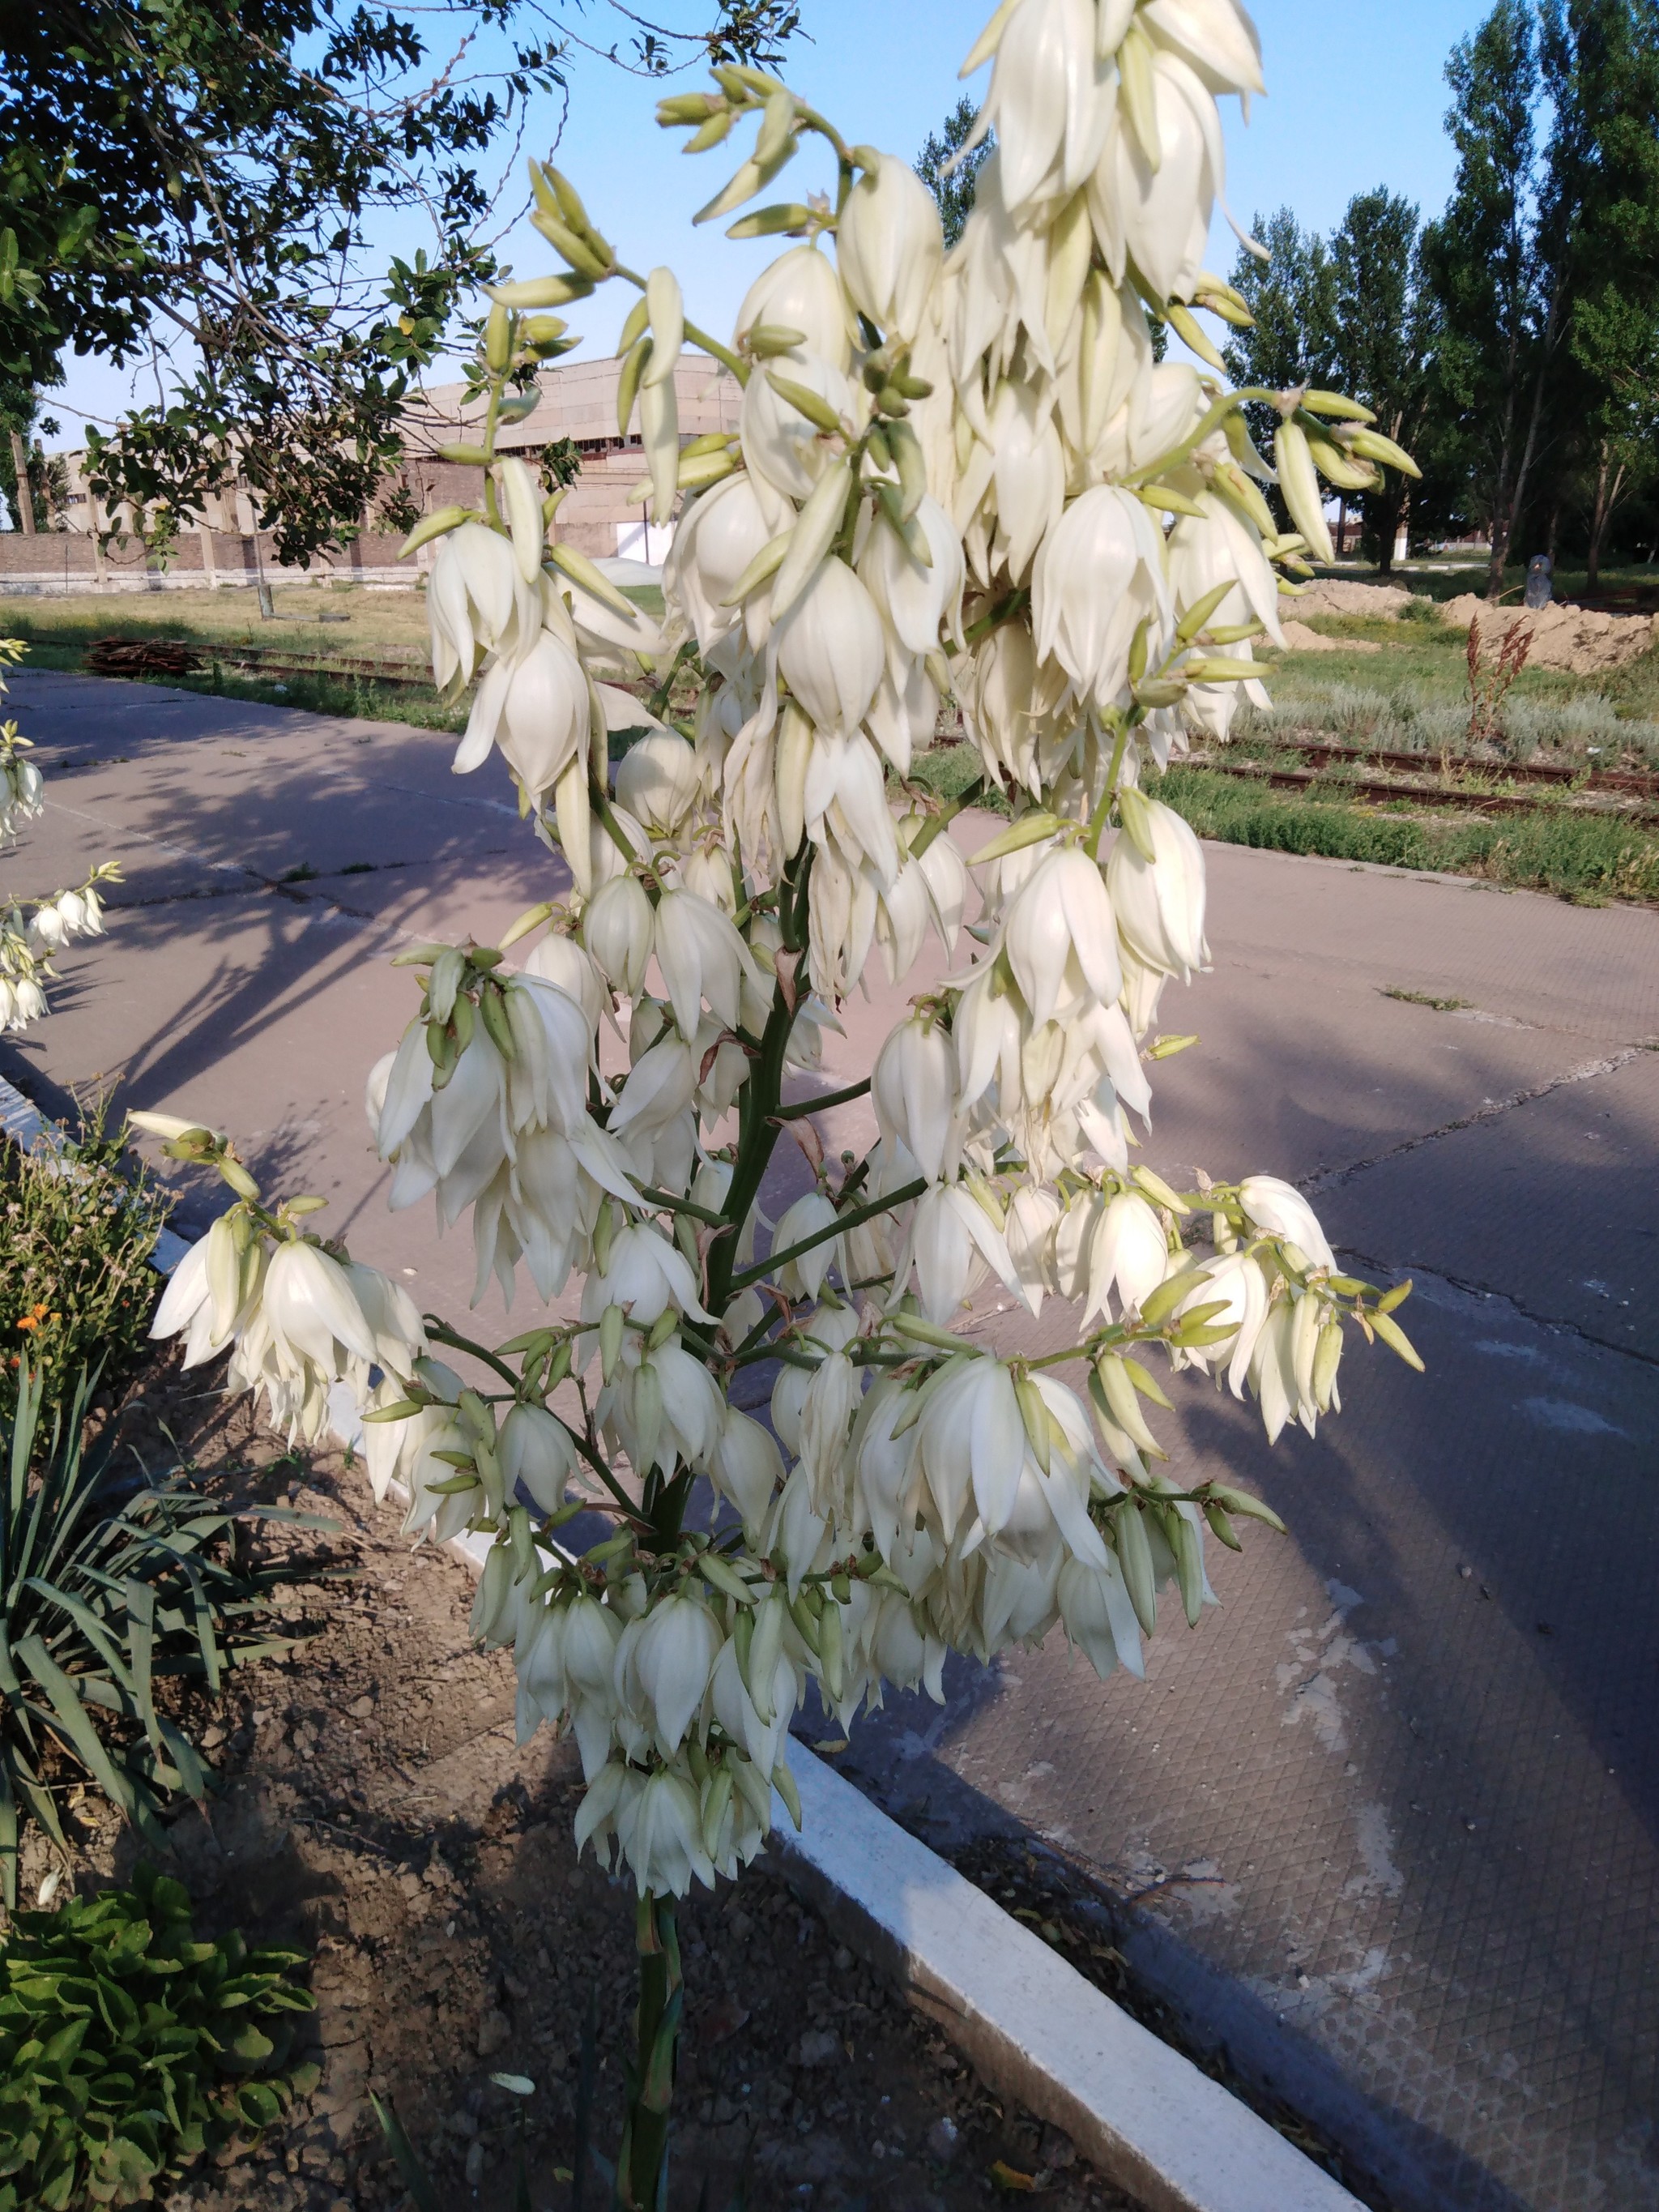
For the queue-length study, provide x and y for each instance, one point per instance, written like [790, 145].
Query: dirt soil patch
[1298, 638]
[376, 1808]
[1339, 595]
[1577, 639]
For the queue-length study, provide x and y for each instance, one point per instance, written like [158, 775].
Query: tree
[1497, 262]
[916, 1492]
[1601, 70]
[22, 424]
[1382, 321]
[201, 182]
[1291, 294]
[953, 194]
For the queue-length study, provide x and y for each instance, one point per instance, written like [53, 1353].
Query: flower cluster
[965, 477]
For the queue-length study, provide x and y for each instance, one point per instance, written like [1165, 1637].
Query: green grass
[1588, 858]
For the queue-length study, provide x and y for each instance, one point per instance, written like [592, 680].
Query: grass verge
[1589, 859]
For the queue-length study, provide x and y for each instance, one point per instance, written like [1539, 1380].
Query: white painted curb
[1034, 2028]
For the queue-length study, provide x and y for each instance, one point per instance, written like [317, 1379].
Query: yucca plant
[102, 1598]
[128, 2048]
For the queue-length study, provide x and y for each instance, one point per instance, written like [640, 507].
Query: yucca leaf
[73, 1724]
[415, 2178]
[89, 1625]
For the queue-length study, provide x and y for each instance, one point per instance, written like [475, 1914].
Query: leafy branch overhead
[203, 185]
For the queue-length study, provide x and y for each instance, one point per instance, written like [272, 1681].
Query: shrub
[78, 1227]
[128, 2048]
[101, 1600]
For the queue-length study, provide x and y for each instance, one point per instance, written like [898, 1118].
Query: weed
[1426, 999]
[1490, 680]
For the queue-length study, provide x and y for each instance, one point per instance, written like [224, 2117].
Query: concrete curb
[1031, 2026]
[1030, 2023]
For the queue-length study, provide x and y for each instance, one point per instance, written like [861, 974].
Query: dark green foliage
[205, 183]
[1386, 330]
[128, 2049]
[104, 1603]
[77, 1229]
[954, 194]
[1292, 296]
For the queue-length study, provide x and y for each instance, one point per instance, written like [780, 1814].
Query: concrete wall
[67, 561]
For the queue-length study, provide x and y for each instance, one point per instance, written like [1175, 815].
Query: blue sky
[1357, 97]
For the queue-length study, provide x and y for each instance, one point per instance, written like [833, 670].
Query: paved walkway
[1395, 1808]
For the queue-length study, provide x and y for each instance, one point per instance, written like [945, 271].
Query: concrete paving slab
[61, 845]
[1588, 971]
[268, 813]
[1384, 1825]
[1554, 1205]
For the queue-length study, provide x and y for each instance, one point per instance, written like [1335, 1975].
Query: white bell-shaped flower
[914, 1090]
[1129, 1254]
[889, 247]
[658, 781]
[781, 446]
[831, 651]
[1159, 903]
[1215, 38]
[1153, 208]
[1277, 1209]
[672, 1659]
[915, 600]
[1051, 95]
[702, 956]
[1098, 577]
[646, 1277]
[618, 930]
[476, 602]
[536, 1452]
[535, 709]
[801, 291]
[1061, 918]
[311, 1310]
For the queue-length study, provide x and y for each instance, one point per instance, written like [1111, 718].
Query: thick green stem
[641, 2170]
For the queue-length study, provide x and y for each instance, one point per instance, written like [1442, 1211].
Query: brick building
[578, 401]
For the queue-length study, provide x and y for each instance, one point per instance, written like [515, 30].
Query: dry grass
[359, 621]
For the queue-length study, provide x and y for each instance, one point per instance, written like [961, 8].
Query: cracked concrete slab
[1568, 1228]
[1387, 1825]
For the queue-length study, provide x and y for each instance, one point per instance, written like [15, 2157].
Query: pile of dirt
[1339, 595]
[376, 1809]
[1577, 639]
[1298, 638]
